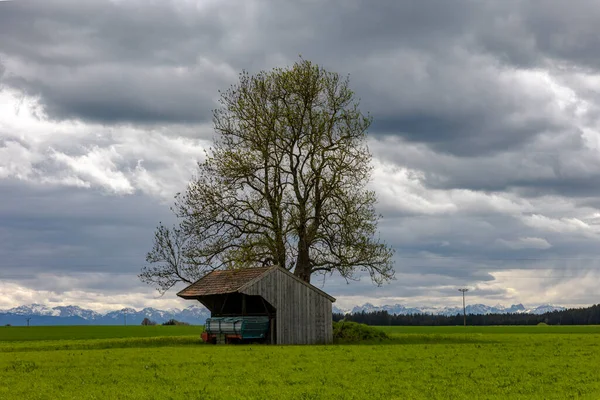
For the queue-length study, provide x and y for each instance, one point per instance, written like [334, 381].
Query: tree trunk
[302, 269]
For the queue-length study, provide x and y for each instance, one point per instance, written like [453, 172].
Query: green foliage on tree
[148, 322]
[284, 184]
[174, 322]
[353, 332]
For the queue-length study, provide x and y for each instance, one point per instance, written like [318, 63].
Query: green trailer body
[241, 328]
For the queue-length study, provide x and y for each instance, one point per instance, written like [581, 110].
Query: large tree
[285, 184]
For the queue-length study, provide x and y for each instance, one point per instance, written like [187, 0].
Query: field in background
[85, 332]
[493, 330]
[419, 362]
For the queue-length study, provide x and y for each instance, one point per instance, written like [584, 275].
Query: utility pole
[125, 317]
[28, 318]
[464, 308]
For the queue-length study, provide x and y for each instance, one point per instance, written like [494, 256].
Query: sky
[485, 138]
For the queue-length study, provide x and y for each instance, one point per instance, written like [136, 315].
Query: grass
[22, 333]
[492, 330]
[545, 362]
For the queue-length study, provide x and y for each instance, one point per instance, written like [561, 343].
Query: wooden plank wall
[303, 315]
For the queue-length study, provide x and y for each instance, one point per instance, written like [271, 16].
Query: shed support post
[265, 306]
[272, 327]
[224, 301]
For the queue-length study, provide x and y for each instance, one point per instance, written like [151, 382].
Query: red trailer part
[208, 338]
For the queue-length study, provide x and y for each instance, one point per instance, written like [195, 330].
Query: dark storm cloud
[427, 71]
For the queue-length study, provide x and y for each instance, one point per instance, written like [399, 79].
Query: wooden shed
[299, 313]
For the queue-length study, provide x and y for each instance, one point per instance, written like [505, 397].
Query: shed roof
[221, 282]
[231, 281]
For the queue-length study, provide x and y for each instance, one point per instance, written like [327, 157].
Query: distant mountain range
[40, 314]
[398, 309]
[75, 315]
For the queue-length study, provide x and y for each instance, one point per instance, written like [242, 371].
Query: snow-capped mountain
[74, 315]
[75, 311]
[336, 310]
[483, 309]
[398, 309]
[194, 312]
[546, 308]
[34, 310]
[119, 314]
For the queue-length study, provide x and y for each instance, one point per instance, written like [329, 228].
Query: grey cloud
[567, 167]
[101, 61]
[469, 245]
[73, 33]
[116, 95]
[58, 230]
[420, 287]
[458, 101]
[5, 141]
[419, 67]
[472, 135]
[560, 31]
[106, 283]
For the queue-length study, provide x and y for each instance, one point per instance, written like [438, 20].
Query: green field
[162, 362]
[20, 333]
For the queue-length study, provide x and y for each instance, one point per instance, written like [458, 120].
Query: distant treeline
[573, 316]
